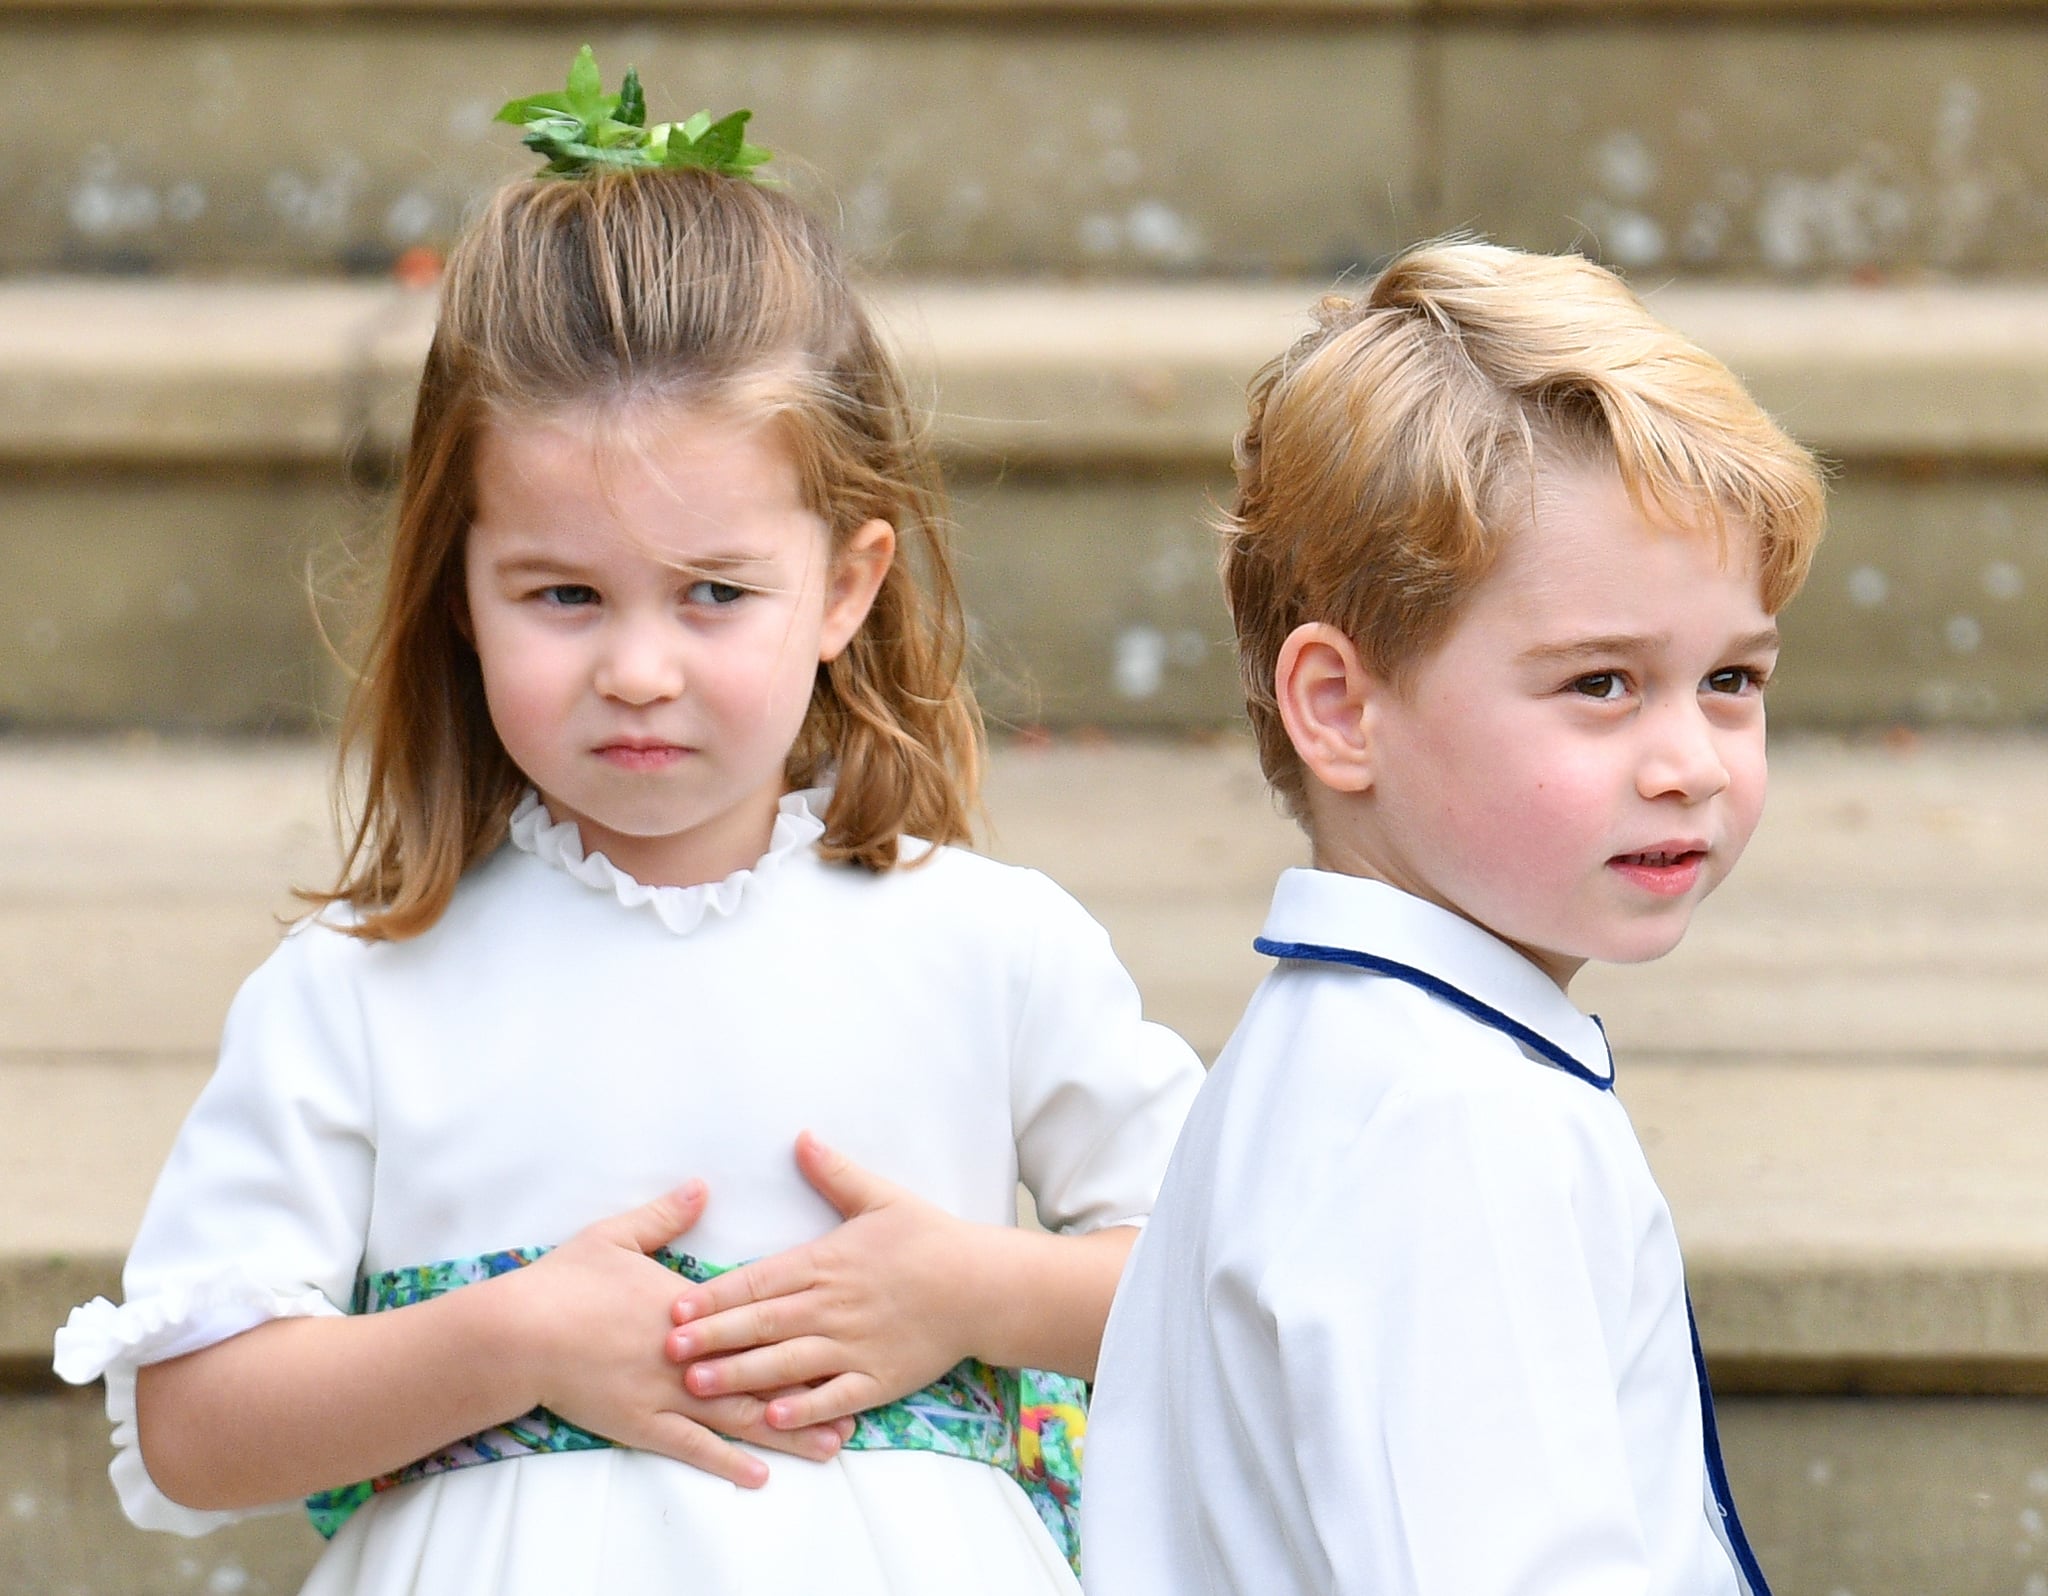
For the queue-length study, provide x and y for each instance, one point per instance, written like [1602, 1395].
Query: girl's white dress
[568, 1043]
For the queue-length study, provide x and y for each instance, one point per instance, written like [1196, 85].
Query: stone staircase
[1840, 1080]
[1087, 222]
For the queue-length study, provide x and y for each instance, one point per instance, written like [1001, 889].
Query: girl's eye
[1601, 684]
[1735, 679]
[714, 594]
[569, 595]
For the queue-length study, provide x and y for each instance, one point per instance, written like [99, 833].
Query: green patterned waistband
[1026, 1422]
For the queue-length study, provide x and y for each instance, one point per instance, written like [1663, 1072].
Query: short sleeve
[1097, 1093]
[262, 1206]
[1446, 1322]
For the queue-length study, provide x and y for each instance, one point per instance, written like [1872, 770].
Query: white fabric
[1409, 1317]
[567, 1043]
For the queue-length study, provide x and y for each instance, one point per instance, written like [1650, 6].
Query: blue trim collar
[1436, 987]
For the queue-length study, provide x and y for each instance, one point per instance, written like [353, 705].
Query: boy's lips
[1669, 869]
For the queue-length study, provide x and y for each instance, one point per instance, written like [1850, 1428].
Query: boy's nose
[639, 665]
[1682, 757]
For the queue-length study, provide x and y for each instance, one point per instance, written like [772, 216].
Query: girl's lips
[1669, 873]
[641, 756]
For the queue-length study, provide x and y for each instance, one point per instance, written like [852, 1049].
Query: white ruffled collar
[799, 822]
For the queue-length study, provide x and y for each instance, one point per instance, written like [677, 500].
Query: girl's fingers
[687, 1441]
[839, 1180]
[753, 1324]
[834, 1403]
[797, 1362]
[658, 1223]
[745, 1418]
[783, 1275]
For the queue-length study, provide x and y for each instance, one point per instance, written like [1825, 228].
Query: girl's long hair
[626, 292]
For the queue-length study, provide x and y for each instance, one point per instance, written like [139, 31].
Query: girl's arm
[300, 1405]
[891, 1299]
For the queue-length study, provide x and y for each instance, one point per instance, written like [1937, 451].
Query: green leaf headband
[583, 129]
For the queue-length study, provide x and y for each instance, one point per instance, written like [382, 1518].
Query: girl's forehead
[623, 430]
[671, 479]
[616, 450]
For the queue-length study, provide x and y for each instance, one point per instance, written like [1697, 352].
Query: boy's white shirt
[1410, 1315]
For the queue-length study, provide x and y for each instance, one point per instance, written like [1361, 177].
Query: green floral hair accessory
[583, 129]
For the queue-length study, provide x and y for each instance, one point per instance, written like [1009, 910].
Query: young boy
[1409, 1316]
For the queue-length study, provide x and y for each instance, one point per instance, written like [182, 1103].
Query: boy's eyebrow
[1587, 648]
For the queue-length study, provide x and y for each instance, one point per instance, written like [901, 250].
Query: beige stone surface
[951, 143]
[1839, 1078]
[62, 1533]
[166, 598]
[1114, 137]
[1893, 901]
[1876, 1497]
[1838, 1495]
[183, 598]
[168, 583]
[1689, 144]
[1044, 374]
[1880, 1497]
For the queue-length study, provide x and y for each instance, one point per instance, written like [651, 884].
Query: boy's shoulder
[1360, 1047]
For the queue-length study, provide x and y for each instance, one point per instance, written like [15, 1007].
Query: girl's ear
[1326, 698]
[856, 578]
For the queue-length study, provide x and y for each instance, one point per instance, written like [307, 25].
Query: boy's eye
[1736, 679]
[569, 595]
[1600, 684]
[714, 593]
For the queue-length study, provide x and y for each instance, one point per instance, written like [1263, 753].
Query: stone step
[1867, 1244]
[177, 457]
[1113, 137]
[1895, 901]
[1837, 1080]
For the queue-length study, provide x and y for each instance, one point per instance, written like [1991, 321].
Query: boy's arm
[1448, 1330]
[891, 1299]
[300, 1405]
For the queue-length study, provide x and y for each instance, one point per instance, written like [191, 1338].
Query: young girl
[665, 752]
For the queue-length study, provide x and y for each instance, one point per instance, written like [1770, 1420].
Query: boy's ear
[851, 586]
[1326, 697]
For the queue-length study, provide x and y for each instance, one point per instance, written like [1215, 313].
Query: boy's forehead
[1588, 561]
[1568, 498]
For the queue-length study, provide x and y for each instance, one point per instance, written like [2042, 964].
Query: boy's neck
[1346, 851]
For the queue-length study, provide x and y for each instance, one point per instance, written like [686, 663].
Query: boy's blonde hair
[629, 292]
[1393, 449]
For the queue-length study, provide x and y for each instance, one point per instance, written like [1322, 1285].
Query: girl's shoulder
[949, 873]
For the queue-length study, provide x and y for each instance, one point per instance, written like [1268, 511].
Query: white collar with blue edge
[1321, 916]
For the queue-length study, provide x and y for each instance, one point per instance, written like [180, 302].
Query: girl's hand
[597, 1305]
[880, 1307]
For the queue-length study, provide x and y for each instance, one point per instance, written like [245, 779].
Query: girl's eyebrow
[522, 563]
[1580, 649]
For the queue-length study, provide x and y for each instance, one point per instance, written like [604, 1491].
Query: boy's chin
[1644, 946]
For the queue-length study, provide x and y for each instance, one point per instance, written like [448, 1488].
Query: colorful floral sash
[1026, 1422]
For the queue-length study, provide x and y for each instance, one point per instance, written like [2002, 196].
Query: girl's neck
[731, 839]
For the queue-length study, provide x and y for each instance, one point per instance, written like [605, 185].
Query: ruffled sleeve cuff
[109, 1342]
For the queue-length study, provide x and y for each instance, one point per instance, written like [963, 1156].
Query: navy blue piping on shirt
[1717, 1473]
[1436, 987]
[1543, 1047]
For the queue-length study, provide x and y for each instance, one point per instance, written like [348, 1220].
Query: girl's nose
[640, 664]
[1683, 757]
